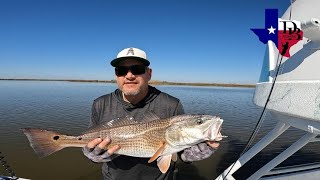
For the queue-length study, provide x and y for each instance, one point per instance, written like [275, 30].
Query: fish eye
[199, 121]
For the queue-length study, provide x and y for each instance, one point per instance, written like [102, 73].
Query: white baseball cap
[131, 52]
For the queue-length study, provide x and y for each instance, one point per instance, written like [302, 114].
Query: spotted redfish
[157, 139]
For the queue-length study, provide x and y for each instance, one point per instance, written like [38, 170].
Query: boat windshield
[265, 70]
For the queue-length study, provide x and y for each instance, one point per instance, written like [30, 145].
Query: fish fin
[157, 153]
[42, 141]
[111, 124]
[164, 163]
[174, 157]
[149, 116]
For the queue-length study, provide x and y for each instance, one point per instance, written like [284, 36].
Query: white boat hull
[292, 98]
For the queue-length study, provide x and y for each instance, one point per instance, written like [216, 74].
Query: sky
[185, 40]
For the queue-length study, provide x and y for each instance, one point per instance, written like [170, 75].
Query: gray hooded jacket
[112, 106]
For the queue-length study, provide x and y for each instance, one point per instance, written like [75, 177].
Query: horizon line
[153, 82]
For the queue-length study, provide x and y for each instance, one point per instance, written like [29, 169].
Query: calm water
[66, 106]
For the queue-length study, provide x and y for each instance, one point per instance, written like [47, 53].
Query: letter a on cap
[130, 51]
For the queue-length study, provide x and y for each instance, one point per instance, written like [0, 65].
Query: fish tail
[44, 142]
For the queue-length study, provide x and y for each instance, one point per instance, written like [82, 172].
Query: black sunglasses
[135, 70]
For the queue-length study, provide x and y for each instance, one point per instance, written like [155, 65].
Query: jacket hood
[152, 94]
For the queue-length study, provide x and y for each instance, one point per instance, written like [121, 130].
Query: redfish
[159, 139]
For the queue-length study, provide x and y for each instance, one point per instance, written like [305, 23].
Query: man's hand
[95, 150]
[199, 152]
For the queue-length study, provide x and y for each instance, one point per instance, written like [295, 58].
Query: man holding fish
[137, 131]
[136, 101]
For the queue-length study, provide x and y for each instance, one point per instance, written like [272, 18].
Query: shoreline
[152, 82]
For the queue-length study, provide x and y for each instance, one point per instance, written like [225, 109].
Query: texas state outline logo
[284, 33]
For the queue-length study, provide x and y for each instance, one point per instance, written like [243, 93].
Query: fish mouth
[214, 131]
